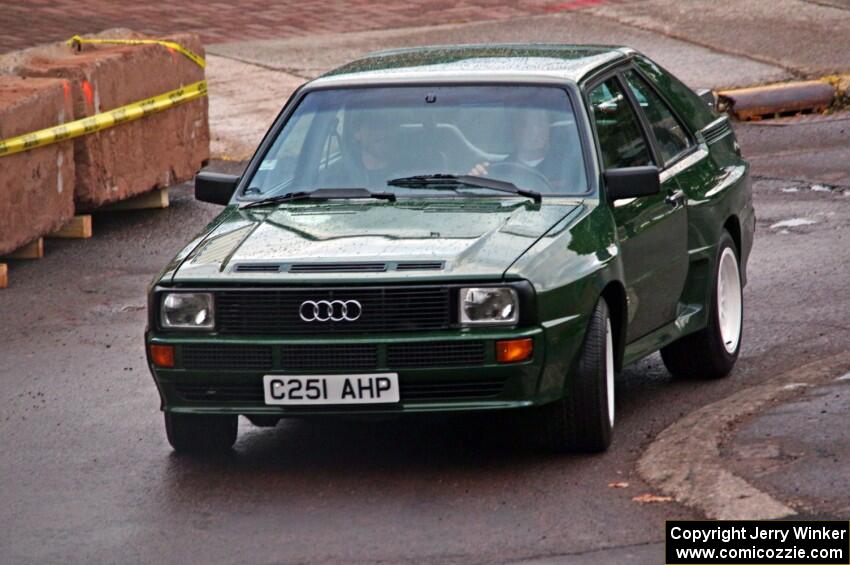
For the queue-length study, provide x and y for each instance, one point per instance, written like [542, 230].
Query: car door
[652, 230]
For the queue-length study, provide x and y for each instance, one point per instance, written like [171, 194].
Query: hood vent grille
[337, 267]
[340, 267]
[257, 268]
[420, 266]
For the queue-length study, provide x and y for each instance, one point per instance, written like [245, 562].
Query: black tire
[703, 355]
[200, 433]
[580, 421]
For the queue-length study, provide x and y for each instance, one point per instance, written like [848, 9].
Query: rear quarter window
[671, 137]
[687, 104]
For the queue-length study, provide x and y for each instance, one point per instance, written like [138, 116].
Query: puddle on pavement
[792, 223]
[803, 188]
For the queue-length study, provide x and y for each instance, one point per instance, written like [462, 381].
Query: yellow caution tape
[114, 117]
[103, 120]
[194, 57]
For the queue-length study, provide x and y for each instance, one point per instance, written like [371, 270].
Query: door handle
[675, 198]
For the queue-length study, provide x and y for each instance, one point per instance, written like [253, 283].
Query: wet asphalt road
[799, 451]
[87, 475]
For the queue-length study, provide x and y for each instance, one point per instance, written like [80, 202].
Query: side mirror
[632, 182]
[215, 188]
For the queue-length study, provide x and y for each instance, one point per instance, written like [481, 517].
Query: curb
[787, 98]
[684, 460]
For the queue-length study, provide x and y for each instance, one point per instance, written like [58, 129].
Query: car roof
[566, 62]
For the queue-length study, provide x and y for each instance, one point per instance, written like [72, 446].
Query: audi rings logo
[330, 310]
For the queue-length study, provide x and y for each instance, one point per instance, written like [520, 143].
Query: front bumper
[438, 384]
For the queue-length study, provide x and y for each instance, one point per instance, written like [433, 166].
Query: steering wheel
[539, 182]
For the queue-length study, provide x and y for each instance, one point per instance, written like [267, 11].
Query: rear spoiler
[707, 96]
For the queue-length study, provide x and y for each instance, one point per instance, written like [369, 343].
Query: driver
[531, 147]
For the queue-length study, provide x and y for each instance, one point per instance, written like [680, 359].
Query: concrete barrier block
[135, 157]
[36, 186]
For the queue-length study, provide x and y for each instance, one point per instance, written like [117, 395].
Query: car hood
[459, 238]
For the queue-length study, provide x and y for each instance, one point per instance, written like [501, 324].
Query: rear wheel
[584, 419]
[711, 352]
[200, 433]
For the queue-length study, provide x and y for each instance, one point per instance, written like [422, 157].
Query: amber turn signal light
[162, 355]
[514, 350]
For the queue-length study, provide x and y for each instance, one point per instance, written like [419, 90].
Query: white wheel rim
[729, 301]
[609, 370]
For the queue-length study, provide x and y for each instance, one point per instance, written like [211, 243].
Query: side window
[620, 137]
[671, 136]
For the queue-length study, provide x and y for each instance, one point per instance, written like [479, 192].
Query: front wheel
[200, 433]
[583, 420]
[711, 352]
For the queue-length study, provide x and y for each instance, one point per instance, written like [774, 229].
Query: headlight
[187, 310]
[488, 305]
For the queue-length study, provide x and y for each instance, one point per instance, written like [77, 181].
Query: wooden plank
[32, 250]
[78, 228]
[149, 200]
[4, 275]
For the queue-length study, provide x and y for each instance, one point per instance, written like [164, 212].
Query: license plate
[377, 388]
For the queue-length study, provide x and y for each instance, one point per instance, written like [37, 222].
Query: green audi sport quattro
[458, 229]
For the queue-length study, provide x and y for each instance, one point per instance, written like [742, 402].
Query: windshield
[365, 137]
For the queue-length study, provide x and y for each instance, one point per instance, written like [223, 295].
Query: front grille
[333, 356]
[207, 356]
[252, 394]
[383, 309]
[329, 356]
[435, 354]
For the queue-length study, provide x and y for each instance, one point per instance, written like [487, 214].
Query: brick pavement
[28, 22]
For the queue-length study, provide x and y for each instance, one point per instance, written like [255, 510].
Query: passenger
[368, 152]
[375, 138]
[376, 147]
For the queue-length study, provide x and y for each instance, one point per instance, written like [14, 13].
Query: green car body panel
[654, 267]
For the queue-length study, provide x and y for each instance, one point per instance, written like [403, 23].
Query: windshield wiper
[321, 194]
[442, 181]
